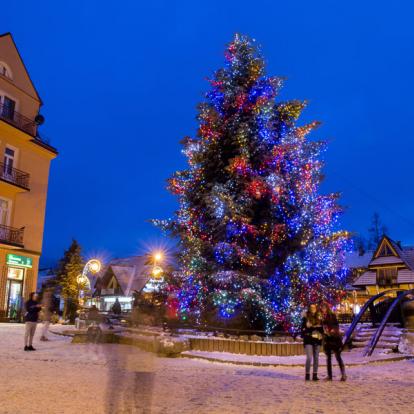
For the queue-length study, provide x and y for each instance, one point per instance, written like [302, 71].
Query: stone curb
[189, 355]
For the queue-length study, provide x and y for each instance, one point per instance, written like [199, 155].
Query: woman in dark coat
[312, 334]
[33, 308]
[332, 340]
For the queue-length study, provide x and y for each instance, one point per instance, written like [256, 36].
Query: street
[64, 378]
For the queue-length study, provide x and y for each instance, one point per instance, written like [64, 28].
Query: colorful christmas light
[256, 238]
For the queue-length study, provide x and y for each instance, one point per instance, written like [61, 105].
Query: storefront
[17, 268]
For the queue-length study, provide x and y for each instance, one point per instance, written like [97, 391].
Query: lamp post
[91, 266]
[156, 269]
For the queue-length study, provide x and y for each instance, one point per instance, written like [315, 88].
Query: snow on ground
[61, 377]
[350, 358]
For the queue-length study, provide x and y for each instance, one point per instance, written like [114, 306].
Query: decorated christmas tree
[257, 241]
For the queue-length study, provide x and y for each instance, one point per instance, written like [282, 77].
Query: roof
[383, 260]
[131, 273]
[8, 34]
[366, 279]
[354, 260]
[369, 278]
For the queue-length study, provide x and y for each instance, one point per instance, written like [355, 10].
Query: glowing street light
[158, 256]
[92, 266]
[157, 270]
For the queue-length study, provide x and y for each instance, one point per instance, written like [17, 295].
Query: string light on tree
[257, 240]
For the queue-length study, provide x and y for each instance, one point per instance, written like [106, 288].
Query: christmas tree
[69, 268]
[257, 241]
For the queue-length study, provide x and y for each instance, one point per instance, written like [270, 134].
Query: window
[385, 251]
[387, 276]
[5, 70]
[9, 161]
[4, 212]
[15, 273]
[7, 108]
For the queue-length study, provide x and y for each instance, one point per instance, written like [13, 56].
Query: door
[8, 108]
[14, 299]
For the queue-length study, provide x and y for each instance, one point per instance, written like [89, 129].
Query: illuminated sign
[16, 260]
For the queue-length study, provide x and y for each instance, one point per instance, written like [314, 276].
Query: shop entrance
[14, 293]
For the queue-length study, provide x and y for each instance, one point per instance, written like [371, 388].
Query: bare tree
[376, 231]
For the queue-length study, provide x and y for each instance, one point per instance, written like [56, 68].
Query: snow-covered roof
[132, 273]
[382, 260]
[369, 278]
[366, 279]
[354, 260]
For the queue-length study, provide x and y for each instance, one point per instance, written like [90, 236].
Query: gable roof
[10, 36]
[401, 255]
[131, 273]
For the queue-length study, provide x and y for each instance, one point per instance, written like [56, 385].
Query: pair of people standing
[321, 326]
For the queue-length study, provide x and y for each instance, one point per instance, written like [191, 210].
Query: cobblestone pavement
[64, 378]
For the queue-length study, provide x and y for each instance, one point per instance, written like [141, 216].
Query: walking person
[47, 310]
[332, 340]
[312, 334]
[31, 317]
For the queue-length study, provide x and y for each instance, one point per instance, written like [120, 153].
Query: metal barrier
[375, 338]
[368, 305]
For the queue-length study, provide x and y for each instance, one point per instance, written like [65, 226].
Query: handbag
[316, 335]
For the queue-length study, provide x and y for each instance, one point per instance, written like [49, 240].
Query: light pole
[91, 266]
[157, 270]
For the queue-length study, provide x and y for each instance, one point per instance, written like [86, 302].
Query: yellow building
[24, 172]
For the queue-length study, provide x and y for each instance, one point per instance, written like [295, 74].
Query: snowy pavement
[61, 377]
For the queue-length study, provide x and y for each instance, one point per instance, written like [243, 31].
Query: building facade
[120, 280]
[24, 172]
[391, 267]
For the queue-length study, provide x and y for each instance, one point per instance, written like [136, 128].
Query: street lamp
[157, 270]
[92, 266]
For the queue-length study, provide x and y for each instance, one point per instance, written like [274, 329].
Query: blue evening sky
[120, 82]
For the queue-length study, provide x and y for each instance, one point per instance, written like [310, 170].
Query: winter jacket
[313, 334]
[32, 311]
[332, 337]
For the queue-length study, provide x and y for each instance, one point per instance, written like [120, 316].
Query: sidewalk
[350, 358]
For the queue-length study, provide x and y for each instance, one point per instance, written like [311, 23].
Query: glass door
[8, 162]
[14, 299]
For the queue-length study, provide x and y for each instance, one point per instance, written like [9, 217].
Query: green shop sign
[16, 260]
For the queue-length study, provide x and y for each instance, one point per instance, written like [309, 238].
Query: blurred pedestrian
[312, 334]
[31, 317]
[116, 307]
[47, 310]
[332, 340]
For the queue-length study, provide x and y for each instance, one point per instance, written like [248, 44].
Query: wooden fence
[246, 347]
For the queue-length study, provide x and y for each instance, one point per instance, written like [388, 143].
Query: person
[116, 307]
[47, 310]
[312, 334]
[332, 340]
[93, 315]
[31, 317]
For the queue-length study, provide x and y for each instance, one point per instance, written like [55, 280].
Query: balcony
[11, 236]
[14, 176]
[18, 120]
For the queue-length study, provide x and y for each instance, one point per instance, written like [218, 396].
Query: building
[120, 279]
[391, 267]
[24, 172]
